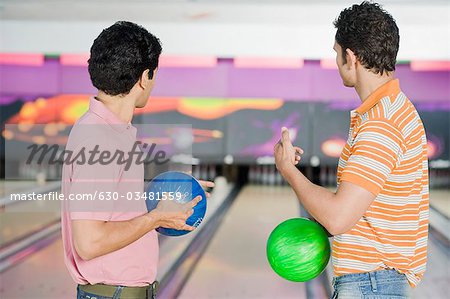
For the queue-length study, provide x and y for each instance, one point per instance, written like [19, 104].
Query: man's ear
[351, 58]
[144, 79]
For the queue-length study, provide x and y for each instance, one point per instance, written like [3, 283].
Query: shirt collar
[389, 88]
[98, 108]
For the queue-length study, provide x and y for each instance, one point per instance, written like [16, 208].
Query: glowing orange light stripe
[329, 64]
[424, 65]
[74, 59]
[187, 61]
[268, 62]
[22, 59]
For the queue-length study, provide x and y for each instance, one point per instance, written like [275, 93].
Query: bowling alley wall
[236, 106]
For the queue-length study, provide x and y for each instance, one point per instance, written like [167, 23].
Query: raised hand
[286, 155]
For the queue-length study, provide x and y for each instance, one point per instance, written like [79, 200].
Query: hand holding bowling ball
[174, 215]
[180, 198]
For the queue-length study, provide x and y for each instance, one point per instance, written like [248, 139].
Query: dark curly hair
[371, 33]
[120, 54]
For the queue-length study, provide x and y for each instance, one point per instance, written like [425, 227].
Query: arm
[92, 232]
[93, 238]
[337, 212]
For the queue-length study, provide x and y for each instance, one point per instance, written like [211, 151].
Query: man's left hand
[206, 185]
[286, 155]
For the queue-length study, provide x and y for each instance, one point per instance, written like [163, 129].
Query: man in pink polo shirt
[111, 249]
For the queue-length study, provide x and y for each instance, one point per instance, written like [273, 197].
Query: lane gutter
[176, 278]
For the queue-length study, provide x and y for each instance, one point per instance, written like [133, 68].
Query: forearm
[318, 201]
[105, 237]
[337, 212]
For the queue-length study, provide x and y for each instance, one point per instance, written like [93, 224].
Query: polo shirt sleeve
[376, 150]
[92, 187]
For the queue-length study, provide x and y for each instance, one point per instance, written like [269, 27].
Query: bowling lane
[235, 264]
[22, 218]
[436, 281]
[440, 200]
[176, 245]
[8, 186]
[42, 275]
[16, 224]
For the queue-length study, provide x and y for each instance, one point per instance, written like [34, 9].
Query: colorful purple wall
[309, 83]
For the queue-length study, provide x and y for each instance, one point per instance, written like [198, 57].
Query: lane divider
[174, 280]
[16, 252]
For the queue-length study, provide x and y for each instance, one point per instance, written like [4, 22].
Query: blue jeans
[84, 295]
[383, 284]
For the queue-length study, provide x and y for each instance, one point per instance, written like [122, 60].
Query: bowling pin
[51, 171]
[432, 178]
[265, 175]
[212, 172]
[437, 179]
[323, 176]
[196, 171]
[279, 178]
[442, 179]
[332, 176]
[258, 175]
[271, 179]
[251, 174]
[207, 166]
[204, 172]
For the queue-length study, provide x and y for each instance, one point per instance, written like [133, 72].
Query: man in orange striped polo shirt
[379, 213]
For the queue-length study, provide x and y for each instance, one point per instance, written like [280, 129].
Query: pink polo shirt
[135, 264]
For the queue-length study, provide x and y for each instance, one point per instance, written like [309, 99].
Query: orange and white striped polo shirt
[386, 154]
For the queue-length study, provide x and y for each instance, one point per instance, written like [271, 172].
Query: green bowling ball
[298, 249]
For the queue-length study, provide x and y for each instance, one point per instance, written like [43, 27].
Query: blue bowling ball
[179, 186]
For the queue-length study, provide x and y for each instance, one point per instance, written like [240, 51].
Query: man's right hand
[172, 214]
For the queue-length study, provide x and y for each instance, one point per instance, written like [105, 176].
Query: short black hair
[120, 54]
[371, 33]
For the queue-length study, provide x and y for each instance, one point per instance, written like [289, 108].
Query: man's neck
[370, 83]
[121, 106]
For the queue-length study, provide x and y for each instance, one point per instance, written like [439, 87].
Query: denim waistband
[369, 277]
